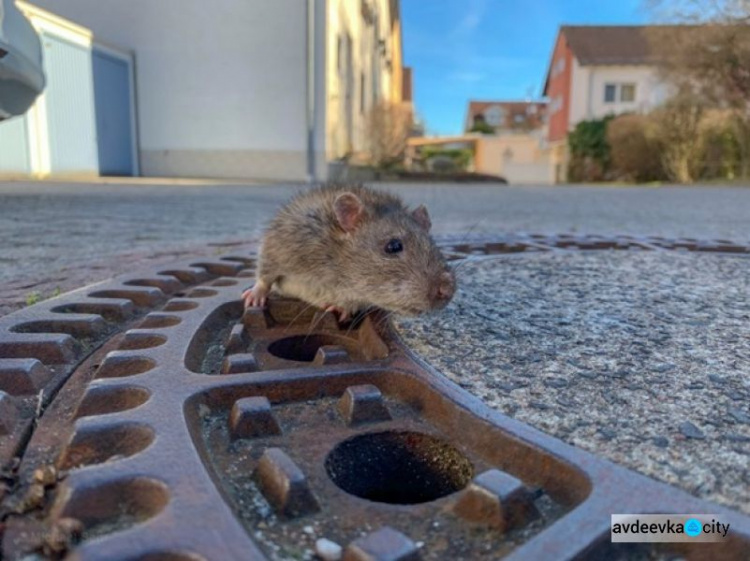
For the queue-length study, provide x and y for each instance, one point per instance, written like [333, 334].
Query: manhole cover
[154, 419]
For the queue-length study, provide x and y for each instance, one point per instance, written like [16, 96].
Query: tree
[678, 124]
[389, 126]
[710, 57]
[635, 151]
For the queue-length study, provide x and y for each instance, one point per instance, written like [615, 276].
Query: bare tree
[678, 124]
[388, 129]
[710, 56]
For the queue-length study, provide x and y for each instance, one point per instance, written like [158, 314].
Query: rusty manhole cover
[151, 418]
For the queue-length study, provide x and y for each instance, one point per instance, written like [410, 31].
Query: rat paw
[343, 315]
[255, 296]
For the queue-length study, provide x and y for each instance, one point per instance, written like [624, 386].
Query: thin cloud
[475, 11]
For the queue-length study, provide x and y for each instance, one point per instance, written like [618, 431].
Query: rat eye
[394, 246]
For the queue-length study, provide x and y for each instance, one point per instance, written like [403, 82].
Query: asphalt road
[66, 232]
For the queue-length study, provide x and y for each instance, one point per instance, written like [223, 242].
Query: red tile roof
[615, 44]
[532, 119]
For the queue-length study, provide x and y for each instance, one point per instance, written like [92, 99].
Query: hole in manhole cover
[398, 467]
[300, 348]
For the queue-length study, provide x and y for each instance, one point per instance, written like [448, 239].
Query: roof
[615, 44]
[510, 109]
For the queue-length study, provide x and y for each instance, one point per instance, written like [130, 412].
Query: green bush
[635, 152]
[720, 147]
[589, 151]
[460, 158]
[482, 127]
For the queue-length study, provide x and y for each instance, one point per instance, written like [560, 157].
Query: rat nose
[445, 288]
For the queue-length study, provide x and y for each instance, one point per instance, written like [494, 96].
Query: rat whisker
[470, 230]
[317, 318]
[291, 323]
[383, 320]
[357, 318]
[463, 264]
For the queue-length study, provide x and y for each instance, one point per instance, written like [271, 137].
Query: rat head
[391, 260]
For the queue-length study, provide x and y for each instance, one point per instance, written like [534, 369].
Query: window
[624, 93]
[362, 92]
[556, 104]
[610, 91]
[494, 116]
[338, 53]
[558, 66]
[627, 92]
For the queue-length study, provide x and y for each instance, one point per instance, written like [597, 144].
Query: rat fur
[348, 248]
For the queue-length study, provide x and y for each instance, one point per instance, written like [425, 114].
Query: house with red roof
[506, 116]
[595, 71]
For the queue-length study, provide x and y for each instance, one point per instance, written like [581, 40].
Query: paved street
[59, 236]
[638, 357]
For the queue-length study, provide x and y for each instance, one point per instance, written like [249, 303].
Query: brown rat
[349, 248]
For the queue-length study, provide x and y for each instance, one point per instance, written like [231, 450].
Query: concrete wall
[221, 86]
[519, 158]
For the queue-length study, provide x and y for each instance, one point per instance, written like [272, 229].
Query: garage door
[114, 114]
[70, 107]
[14, 147]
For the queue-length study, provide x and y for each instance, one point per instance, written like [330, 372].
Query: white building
[596, 71]
[242, 88]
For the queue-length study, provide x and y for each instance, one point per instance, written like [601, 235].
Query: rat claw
[255, 296]
[343, 315]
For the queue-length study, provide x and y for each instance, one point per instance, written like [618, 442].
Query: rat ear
[349, 211]
[422, 217]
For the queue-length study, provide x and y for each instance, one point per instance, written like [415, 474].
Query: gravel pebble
[328, 550]
[691, 431]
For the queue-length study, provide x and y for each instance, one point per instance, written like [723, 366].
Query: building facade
[506, 116]
[364, 68]
[238, 88]
[596, 71]
[83, 124]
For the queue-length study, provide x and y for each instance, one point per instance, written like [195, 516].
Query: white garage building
[228, 89]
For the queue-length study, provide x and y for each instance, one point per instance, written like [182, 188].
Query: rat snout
[443, 290]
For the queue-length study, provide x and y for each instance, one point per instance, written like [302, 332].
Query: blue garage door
[114, 119]
[70, 107]
[14, 147]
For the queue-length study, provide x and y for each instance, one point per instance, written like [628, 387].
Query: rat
[351, 248]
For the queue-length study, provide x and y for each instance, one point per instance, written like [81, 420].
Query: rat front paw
[256, 296]
[342, 314]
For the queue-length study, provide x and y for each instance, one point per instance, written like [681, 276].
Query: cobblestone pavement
[643, 358]
[58, 236]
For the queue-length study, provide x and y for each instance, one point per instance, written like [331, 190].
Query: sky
[490, 49]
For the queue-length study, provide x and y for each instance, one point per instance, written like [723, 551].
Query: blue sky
[490, 49]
